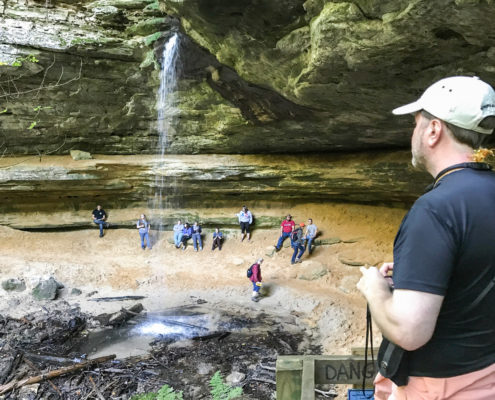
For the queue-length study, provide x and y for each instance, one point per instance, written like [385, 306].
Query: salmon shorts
[478, 385]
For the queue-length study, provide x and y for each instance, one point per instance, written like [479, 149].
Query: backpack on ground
[249, 272]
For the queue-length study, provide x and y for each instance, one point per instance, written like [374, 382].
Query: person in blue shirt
[143, 227]
[178, 227]
[196, 236]
[245, 220]
[217, 239]
[186, 235]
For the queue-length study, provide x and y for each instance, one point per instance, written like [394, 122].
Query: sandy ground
[116, 265]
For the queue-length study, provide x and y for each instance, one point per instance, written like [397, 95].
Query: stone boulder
[14, 284]
[47, 289]
[312, 270]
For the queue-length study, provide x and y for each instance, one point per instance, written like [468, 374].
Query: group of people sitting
[184, 232]
[301, 237]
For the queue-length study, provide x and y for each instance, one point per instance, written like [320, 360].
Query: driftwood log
[121, 316]
[15, 384]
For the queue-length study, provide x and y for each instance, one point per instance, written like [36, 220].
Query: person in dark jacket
[217, 239]
[100, 218]
[186, 235]
[256, 280]
[297, 243]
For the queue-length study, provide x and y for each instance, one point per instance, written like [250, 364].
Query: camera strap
[369, 338]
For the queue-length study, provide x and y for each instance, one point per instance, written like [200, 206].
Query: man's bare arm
[405, 317]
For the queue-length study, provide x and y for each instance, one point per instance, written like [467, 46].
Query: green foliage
[165, 393]
[152, 38]
[222, 391]
[39, 108]
[20, 60]
[33, 124]
[3, 111]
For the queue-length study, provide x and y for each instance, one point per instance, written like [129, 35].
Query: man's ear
[434, 132]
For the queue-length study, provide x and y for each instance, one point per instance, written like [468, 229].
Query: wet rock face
[256, 77]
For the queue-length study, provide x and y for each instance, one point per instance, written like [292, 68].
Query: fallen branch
[36, 369]
[53, 374]
[330, 393]
[98, 393]
[267, 367]
[119, 298]
[52, 359]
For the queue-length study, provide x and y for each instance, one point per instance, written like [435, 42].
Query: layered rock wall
[313, 77]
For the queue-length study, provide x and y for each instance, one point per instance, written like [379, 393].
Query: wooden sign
[298, 375]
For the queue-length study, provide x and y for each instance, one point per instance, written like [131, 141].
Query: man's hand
[386, 270]
[371, 282]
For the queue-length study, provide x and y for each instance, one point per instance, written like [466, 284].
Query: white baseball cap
[462, 101]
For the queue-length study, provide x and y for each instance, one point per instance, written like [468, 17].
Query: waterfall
[167, 110]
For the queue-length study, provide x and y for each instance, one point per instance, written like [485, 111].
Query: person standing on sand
[436, 310]
[286, 228]
[99, 218]
[256, 280]
[178, 227]
[245, 220]
[143, 227]
[217, 239]
[196, 236]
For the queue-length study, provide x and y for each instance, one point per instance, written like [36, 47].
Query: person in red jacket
[256, 279]
[286, 228]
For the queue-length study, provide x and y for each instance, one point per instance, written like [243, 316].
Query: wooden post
[289, 377]
[308, 379]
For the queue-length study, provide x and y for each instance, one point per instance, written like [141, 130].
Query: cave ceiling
[255, 77]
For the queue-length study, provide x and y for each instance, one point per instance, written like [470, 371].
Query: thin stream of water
[167, 112]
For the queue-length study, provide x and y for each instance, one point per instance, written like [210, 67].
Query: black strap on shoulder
[472, 165]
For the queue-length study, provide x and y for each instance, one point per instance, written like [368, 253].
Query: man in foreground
[440, 310]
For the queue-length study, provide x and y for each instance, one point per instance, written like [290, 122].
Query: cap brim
[408, 108]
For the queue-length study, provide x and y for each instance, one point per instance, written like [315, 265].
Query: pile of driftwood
[37, 360]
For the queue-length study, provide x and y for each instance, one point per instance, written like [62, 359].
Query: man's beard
[418, 161]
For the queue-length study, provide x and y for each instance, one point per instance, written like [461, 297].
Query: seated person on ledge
[186, 235]
[217, 239]
[99, 218]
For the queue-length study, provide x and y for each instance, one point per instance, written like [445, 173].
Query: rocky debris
[47, 289]
[75, 292]
[120, 317]
[351, 263]
[14, 284]
[80, 155]
[312, 270]
[40, 346]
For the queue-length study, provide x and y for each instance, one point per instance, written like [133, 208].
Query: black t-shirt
[99, 214]
[446, 246]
